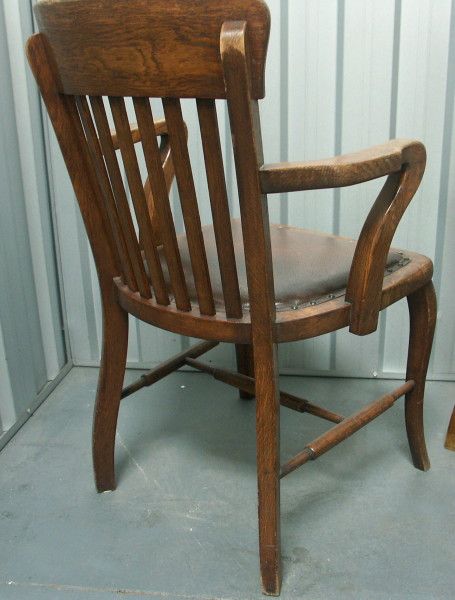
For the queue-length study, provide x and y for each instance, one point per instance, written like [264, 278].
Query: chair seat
[309, 267]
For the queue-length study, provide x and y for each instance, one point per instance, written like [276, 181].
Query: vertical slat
[185, 183]
[115, 175]
[133, 174]
[220, 207]
[159, 189]
[109, 207]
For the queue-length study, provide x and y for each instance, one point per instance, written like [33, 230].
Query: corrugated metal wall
[32, 348]
[342, 75]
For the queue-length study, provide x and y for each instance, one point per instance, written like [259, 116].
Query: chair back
[90, 58]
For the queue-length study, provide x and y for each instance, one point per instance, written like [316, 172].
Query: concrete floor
[359, 523]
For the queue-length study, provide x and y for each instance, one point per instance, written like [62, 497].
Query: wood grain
[367, 271]
[160, 195]
[219, 205]
[340, 171]
[118, 189]
[110, 207]
[188, 201]
[345, 428]
[143, 48]
[246, 137]
[422, 314]
[133, 174]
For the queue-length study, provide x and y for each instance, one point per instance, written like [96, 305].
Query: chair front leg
[422, 312]
[268, 466]
[108, 396]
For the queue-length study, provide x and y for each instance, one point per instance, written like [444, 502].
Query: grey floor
[359, 523]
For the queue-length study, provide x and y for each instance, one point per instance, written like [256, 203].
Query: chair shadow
[224, 426]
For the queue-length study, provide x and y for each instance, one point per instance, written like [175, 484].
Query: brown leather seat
[309, 267]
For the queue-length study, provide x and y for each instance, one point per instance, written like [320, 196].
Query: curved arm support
[168, 168]
[340, 171]
[368, 265]
[160, 128]
[169, 174]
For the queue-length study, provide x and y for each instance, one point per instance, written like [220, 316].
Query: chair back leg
[422, 313]
[245, 365]
[110, 382]
[268, 465]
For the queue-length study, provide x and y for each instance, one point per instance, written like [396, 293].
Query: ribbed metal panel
[32, 348]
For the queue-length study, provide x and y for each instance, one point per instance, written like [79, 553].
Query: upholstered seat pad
[308, 266]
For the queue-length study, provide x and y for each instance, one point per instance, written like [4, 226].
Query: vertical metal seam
[445, 168]
[339, 75]
[392, 135]
[339, 85]
[284, 102]
[89, 301]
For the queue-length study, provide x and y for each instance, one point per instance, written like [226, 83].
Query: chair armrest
[340, 171]
[167, 164]
[160, 128]
[168, 169]
[364, 289]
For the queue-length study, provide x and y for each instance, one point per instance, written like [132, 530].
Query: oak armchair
[246, 282]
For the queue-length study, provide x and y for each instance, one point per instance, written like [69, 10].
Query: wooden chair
[245, 282]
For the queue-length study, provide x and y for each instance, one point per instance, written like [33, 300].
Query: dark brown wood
[168, 170]
[404, 162]
[345, 429]
[244, 119]
[243, 382]
[110, 208]
[304, 406]
[190, 323]
[341, 171]
[159, 126]
[158, 186]
[209, 49]
[219, 205]
[133, 174]
[108, 395]
[142, 48]
[167, 367]
[291, 325]
[167, 166]
[126, 222]
[422, 313]
[450, 437]
[188, 200]
[367, 271]
[245, 365]
[65, 120]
